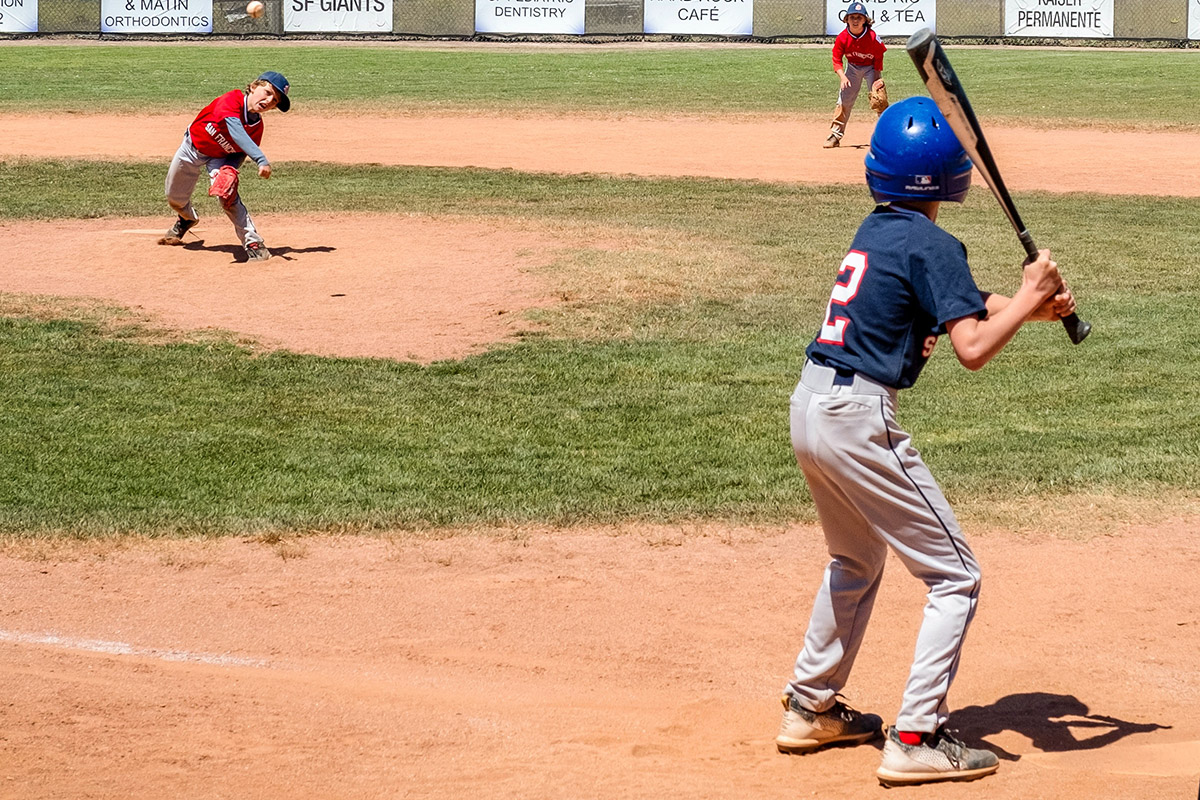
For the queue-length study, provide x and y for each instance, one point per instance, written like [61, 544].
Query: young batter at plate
[224, 133]
[903, 283]
[862, 53]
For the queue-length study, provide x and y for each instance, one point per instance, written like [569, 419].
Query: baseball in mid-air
[255, 8]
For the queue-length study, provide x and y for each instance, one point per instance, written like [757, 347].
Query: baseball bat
[947, 91]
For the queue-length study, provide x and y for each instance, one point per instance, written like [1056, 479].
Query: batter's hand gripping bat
[947, 91]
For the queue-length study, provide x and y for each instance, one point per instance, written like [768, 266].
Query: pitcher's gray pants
[872, 491]
[184, 174]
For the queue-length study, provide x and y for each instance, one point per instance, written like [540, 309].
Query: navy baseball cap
[281, 86]
[856, 8]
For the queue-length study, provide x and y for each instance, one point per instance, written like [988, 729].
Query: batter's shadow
[1048, 720]
[238, 253]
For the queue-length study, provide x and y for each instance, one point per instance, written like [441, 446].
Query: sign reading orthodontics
[349, 16]
[18, 16]
[714, 17]
[156, 16]
[892, 17]
[1090, 19]
[529, 16]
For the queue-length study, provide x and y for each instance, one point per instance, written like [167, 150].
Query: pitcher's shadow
[238, 253]
[1047, 720]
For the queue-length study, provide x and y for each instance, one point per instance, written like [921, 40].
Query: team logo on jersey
[223, 143]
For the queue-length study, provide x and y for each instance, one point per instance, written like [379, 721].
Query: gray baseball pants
[184, 174]
[873, 492]
[858, 76]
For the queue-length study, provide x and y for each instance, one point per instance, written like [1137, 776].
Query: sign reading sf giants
[338, 16]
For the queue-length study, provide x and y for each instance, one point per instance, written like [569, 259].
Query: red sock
[909, 737]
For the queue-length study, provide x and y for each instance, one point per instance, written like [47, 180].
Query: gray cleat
[940, 757]
[803, 731]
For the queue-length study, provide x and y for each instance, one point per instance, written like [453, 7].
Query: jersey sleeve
[237, 132]
[879, 51]
[839, 50]
[943, 280]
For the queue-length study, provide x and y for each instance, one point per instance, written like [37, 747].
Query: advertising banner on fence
[529, 16]
[892, 17]
[1088, 19]
[715, 17]
[156, 16]
[1194, 19]
[341, 16]
[18, 16]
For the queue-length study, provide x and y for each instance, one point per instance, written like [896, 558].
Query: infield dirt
[635, 662]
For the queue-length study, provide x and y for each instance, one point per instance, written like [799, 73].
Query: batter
[223, 135]
[903, 283]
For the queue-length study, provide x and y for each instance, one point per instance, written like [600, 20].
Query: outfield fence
[1157, 22]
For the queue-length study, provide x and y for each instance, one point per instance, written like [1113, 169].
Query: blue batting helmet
[915, 156]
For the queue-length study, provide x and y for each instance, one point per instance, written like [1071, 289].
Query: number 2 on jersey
[833, 331]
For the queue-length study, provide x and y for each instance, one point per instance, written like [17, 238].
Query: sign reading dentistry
[342, 16]
[714, 17]
[529, 16]
[1089, 19]
[892, 17]
[18, 16]
[156, 16]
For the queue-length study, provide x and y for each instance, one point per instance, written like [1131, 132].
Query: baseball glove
[225, 185]
[878, 97]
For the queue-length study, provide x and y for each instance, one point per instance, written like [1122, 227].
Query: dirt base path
[771, 149]
[636, 663]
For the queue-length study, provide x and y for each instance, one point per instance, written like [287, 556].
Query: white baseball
[255, 8]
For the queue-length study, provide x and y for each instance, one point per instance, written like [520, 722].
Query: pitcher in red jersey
[224, 134]
[857, 59]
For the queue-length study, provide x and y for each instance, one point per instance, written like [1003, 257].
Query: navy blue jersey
[902, 281]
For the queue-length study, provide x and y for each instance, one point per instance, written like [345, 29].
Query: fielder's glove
[878, 97]
[225, 185]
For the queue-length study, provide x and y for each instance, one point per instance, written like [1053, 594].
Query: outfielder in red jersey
[223, 135]
[857, 59]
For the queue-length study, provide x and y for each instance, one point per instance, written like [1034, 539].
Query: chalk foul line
[124, 649]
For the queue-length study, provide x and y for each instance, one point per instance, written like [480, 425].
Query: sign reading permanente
[1090, 19]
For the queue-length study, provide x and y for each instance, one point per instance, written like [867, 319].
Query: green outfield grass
[1047, 87]
[667, 404]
